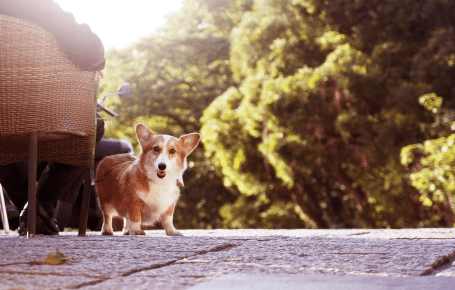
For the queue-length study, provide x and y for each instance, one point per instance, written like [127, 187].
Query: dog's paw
[107, 232]
[174, 233]
[137, 233]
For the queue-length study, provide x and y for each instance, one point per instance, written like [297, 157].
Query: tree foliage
[327, 97]
[313, 113]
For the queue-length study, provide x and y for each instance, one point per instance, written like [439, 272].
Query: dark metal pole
[31, 218]
[85, 203]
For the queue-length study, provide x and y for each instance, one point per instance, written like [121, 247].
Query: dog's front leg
[167, 222]
[107, 225]
[132, 228]
[107, 221]
[132, 223]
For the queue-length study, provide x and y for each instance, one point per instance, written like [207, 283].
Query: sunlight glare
[121, 23]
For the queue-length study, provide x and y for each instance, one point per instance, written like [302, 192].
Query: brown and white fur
[144, 190]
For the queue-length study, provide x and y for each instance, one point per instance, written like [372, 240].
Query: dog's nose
[161, 166]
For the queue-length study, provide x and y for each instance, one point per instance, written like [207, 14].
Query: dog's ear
[190, 142]
[143, 134]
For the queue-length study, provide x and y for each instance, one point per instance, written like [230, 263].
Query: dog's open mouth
[161, 173]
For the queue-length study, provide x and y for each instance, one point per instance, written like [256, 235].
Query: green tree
[430, 164]
[327, 96]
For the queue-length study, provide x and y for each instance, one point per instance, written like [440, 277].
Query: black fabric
[108, 147]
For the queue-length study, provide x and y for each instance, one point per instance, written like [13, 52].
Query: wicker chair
[47, 108]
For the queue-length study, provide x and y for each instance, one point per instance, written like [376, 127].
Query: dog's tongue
[161, 173]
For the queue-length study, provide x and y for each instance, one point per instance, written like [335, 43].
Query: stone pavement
[234, 259]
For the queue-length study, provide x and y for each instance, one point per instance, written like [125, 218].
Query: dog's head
[166, 153]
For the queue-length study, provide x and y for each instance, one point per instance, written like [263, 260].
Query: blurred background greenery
[313, 113]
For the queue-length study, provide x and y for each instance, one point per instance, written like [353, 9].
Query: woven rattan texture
[41, 90]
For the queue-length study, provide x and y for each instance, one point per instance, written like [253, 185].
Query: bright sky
[121, 23]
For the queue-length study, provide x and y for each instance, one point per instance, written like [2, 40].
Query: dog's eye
[172, 151]
[156, 149]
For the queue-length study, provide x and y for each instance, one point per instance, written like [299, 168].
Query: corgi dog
[145, 189]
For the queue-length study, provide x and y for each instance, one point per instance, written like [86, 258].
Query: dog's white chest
[158, 200]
